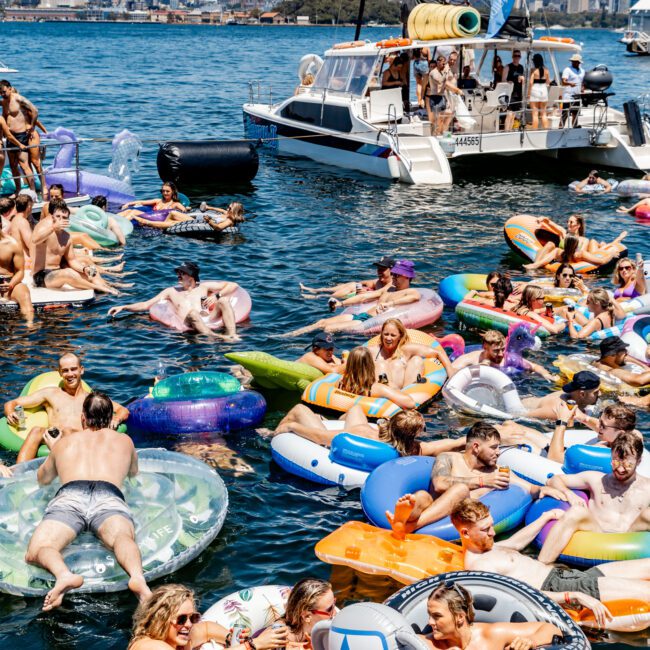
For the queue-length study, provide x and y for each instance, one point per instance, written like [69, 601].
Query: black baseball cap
[322, 340]
[611, 345]
[385, 262]
[583, 380]
[190, 268]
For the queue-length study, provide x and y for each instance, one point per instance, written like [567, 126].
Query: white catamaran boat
[637, 36]
[346, 119]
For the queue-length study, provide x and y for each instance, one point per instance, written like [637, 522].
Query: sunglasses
[625, 268]
[567, 275]
[627, 464]
[328, 612]
[193, 618]
[516, 56]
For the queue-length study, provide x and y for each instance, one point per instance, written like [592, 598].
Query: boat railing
[392, 133]
[255, 91]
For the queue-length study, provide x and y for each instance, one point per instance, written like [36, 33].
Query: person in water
[571, 253]
[225, 219]
[62, 403]
[593, 179]
[168, 203]
[613, 359]
[629, 279]
[450, 608]
[643, 203]
[191, 301]
[493, 353]
[567, 278]
[348, 290]
[168, 620]
[604, 312]
[92, 465]
[619, 502]
[398, 293]
[532, 305]
[457, 475]
[320, 354]
[401, 361]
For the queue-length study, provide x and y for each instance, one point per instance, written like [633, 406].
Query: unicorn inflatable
[116, 187]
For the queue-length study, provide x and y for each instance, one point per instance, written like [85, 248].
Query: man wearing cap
[399, 292]
[197, 304]
[572, 79]
[349, 292]
[619, 501]
[320, 354]
[613, 359]
[583, 390]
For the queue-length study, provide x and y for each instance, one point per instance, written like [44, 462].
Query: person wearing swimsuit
[601, 306]
[630, 279]
[167, 204]
[538, 92]
[532, 304]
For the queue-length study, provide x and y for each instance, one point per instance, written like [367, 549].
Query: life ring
[407, 475]
[587, 548]
[497, 598]
[347, 463]
[557, 39]
[526, 236]
[394, 42]
[596, 188]
[483, 391]
[309, 64]
[347, 45]
[178, 505]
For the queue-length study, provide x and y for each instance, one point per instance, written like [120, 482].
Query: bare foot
[265, 432]
[405, 517]
[64, 583]
[138, 585]
[621, 237]
[230, 338]
[623, 210]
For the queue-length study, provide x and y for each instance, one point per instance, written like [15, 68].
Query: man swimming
[320, 354]
[197, 304]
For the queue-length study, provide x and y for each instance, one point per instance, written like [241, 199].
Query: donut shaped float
[178, 504]
[596, 188]
[164, 313]
[636, 333]
[632, 187]
[394, 479]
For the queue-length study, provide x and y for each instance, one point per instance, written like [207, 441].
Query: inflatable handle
[360, 453]
[92, 214]
[581, 458]
[320, 634]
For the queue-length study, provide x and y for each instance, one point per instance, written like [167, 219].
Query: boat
[637, 36]
[5, 69]
[347, 120]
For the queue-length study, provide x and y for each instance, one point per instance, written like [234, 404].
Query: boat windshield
[345, 74]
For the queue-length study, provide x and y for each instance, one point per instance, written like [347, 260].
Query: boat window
[328, 116]
[345, 74]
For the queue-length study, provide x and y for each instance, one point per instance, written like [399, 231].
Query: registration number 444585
[468, 141]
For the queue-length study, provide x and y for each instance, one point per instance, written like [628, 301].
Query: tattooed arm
[442, 479]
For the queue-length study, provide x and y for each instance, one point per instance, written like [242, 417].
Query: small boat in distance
[5, 69]
[637, 37]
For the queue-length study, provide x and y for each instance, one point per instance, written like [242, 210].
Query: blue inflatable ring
[406, 475]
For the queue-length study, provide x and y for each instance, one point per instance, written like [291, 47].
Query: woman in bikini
[630, 280]
[228, 218]
[571, 253]
[167, 203]
[532, 306]
[604, 315]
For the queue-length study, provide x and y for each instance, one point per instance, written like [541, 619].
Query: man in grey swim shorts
[92, 464]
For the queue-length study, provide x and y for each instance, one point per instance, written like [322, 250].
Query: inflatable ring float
[497, 599]
[588, 549]
[636, 333]
[596, 188]
[483, 391]
[273, 373]
[526, 237]
[346, 463]
[93, 221]
[178, 503]
[407, 475]
[164, 313]
[196, 402]
[198, 229]
[632, 187]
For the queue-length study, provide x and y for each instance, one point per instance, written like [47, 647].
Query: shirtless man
[192, 301]
[349, 290]
[615, 419]
[320, 354]
[21, 229]
[51, 245]
[619, 502]
[583, 390]
[91, 464]
[63, 405]
[493, 353]
[12, 272]
[399, 292]
[613, 357]
[608, 581]
[21, 116]
[7, 212]
[457, 475]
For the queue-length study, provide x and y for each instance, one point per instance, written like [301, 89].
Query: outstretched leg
[414, 369]
[22, 296]
[118, 535]
[29, 448]
[323, 323]
[45, 546]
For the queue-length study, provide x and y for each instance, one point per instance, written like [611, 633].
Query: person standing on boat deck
[538, 91]
[421, 59]
[21, 116]
[572, 80]
[12, 272]
[514, 73]
[440, 83]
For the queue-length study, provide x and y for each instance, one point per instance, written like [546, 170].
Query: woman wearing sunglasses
[451, 616]
[168, 619]
[630, 279]
[167, 202]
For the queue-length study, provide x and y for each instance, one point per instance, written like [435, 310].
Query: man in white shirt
[572, 81]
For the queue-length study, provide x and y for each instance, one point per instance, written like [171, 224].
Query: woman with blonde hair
[629, 278]
[532, 306]
[603, 309]
[400, 361]
[231, 217]
[168, 619]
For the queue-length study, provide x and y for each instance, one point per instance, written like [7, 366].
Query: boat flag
[499, 13]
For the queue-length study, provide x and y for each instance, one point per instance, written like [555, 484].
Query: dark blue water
[313, 223]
